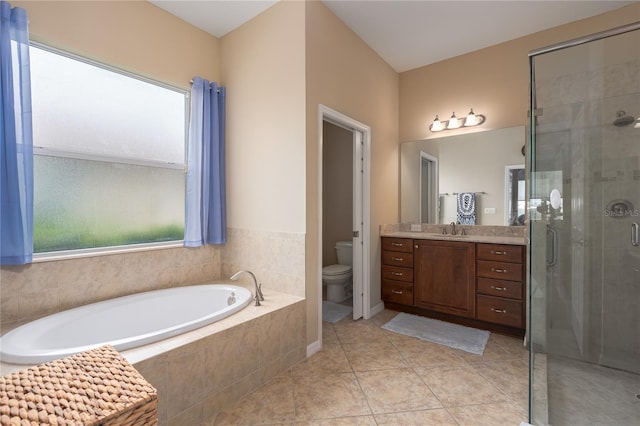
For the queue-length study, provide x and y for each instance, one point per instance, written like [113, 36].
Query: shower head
[623, 120]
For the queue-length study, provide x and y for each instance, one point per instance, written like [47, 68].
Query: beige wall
[263, 70]
[337, 190]
[344, 74]
[132, 35]
[142, 38]
[493, 81]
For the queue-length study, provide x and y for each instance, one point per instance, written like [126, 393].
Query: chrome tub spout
[258, 297]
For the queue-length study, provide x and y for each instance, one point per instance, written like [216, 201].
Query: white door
[358, 231]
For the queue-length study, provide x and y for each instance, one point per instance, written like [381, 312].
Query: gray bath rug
[334, 312]
[455, 336]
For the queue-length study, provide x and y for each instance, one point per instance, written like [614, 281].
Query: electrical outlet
[489, 210]
[416, 227]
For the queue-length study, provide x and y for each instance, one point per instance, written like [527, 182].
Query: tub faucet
[453, 228]
[259, 295]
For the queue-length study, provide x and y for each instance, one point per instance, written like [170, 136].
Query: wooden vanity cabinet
[500, 284]
[474, 284]
[445, 276]
[397, 270]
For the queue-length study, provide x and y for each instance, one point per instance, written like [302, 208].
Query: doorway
[429, 209]
[355, 175]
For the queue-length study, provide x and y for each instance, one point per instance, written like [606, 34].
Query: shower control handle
[635, 234]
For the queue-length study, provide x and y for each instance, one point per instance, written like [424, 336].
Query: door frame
[361, 196]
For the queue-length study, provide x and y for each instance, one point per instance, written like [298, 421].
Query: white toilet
[337, 278]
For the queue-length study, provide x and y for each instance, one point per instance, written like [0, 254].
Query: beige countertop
[491, 239]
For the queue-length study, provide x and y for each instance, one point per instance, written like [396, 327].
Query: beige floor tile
[341, 421]
[419, 353]
[492, 352]
[272, 403]
[390, 391]
[328, 396]
[373, 356]
[359, 332]
[329, 336]
[331, 359]
[384, 317]
[510, 375]
[512, 345]
[438, 417]
[501, 413]
[455, 386]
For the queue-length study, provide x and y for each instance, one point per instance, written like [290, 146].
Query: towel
[467, 208]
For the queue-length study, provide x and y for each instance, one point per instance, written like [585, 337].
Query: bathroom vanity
[471, 280]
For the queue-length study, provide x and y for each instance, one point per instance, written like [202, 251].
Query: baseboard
[375, 310]
[314, 347]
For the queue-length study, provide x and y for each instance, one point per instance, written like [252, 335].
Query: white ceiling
[410, 34]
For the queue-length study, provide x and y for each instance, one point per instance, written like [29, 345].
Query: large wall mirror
[488, 164]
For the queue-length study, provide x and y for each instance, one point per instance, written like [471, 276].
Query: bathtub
[124, 322]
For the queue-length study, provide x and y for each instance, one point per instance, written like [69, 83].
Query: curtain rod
[191, 83]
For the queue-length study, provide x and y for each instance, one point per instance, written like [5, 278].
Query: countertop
[491, 239]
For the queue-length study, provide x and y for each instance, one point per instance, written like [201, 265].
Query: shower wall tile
[276, 258]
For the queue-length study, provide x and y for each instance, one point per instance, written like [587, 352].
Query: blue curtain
[16, 149]
[206, 218]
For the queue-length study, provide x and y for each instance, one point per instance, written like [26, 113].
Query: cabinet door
[444, 276]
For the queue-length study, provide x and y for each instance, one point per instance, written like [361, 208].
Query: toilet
[337, 278]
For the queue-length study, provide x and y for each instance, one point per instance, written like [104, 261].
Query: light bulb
[453, 123]
[471, 119]
[436, 126]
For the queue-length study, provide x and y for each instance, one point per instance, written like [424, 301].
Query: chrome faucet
[453, 228]
[258, 297]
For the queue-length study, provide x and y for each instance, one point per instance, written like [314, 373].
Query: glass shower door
[584, 212]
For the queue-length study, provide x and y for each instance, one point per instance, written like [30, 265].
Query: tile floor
[365, 375]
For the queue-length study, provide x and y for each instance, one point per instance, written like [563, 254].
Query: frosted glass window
[84, 108]
[109, 168]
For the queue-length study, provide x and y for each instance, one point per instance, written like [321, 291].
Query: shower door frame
[531, 161]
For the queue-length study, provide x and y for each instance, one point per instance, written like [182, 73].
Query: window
[109, 156]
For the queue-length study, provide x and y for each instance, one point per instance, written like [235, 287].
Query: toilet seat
[333, 270]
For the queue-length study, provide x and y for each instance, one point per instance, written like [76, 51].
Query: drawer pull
[499, 311]
[397, 244]
[498, 270]
[397, 259]
[499, 288]
[396, 291]
[498, 252]
[397, 274]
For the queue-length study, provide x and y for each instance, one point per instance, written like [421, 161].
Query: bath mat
[333, 312]
[455, 336]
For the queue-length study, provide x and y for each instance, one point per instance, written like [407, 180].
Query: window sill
[103, 251]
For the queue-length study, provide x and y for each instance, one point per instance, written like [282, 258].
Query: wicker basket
[97, 387]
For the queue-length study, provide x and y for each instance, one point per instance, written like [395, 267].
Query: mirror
[488, 164]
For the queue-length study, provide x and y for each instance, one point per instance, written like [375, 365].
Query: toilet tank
[344, 251]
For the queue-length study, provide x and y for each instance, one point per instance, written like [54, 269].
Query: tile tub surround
[32, 291]
[206, 370]
[404, 381]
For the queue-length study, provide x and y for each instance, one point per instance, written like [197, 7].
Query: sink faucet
[259, 295]
[453, 228]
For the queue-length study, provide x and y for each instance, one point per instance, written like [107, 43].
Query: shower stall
[584, 215]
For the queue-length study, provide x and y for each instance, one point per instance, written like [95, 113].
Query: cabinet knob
[499, 311]
[396, 291]
[498, 270]
[499, 288]
[498, 252]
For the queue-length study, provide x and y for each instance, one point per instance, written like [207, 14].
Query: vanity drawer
[499, 270]
[397, 244]
[397, 292]
[397, 274]
[500, 311]
[395, 258]
[500, 288]
[500, 252]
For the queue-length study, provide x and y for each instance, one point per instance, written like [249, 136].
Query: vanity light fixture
[472, 119]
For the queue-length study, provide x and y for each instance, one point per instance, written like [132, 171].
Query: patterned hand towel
[467, 208]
